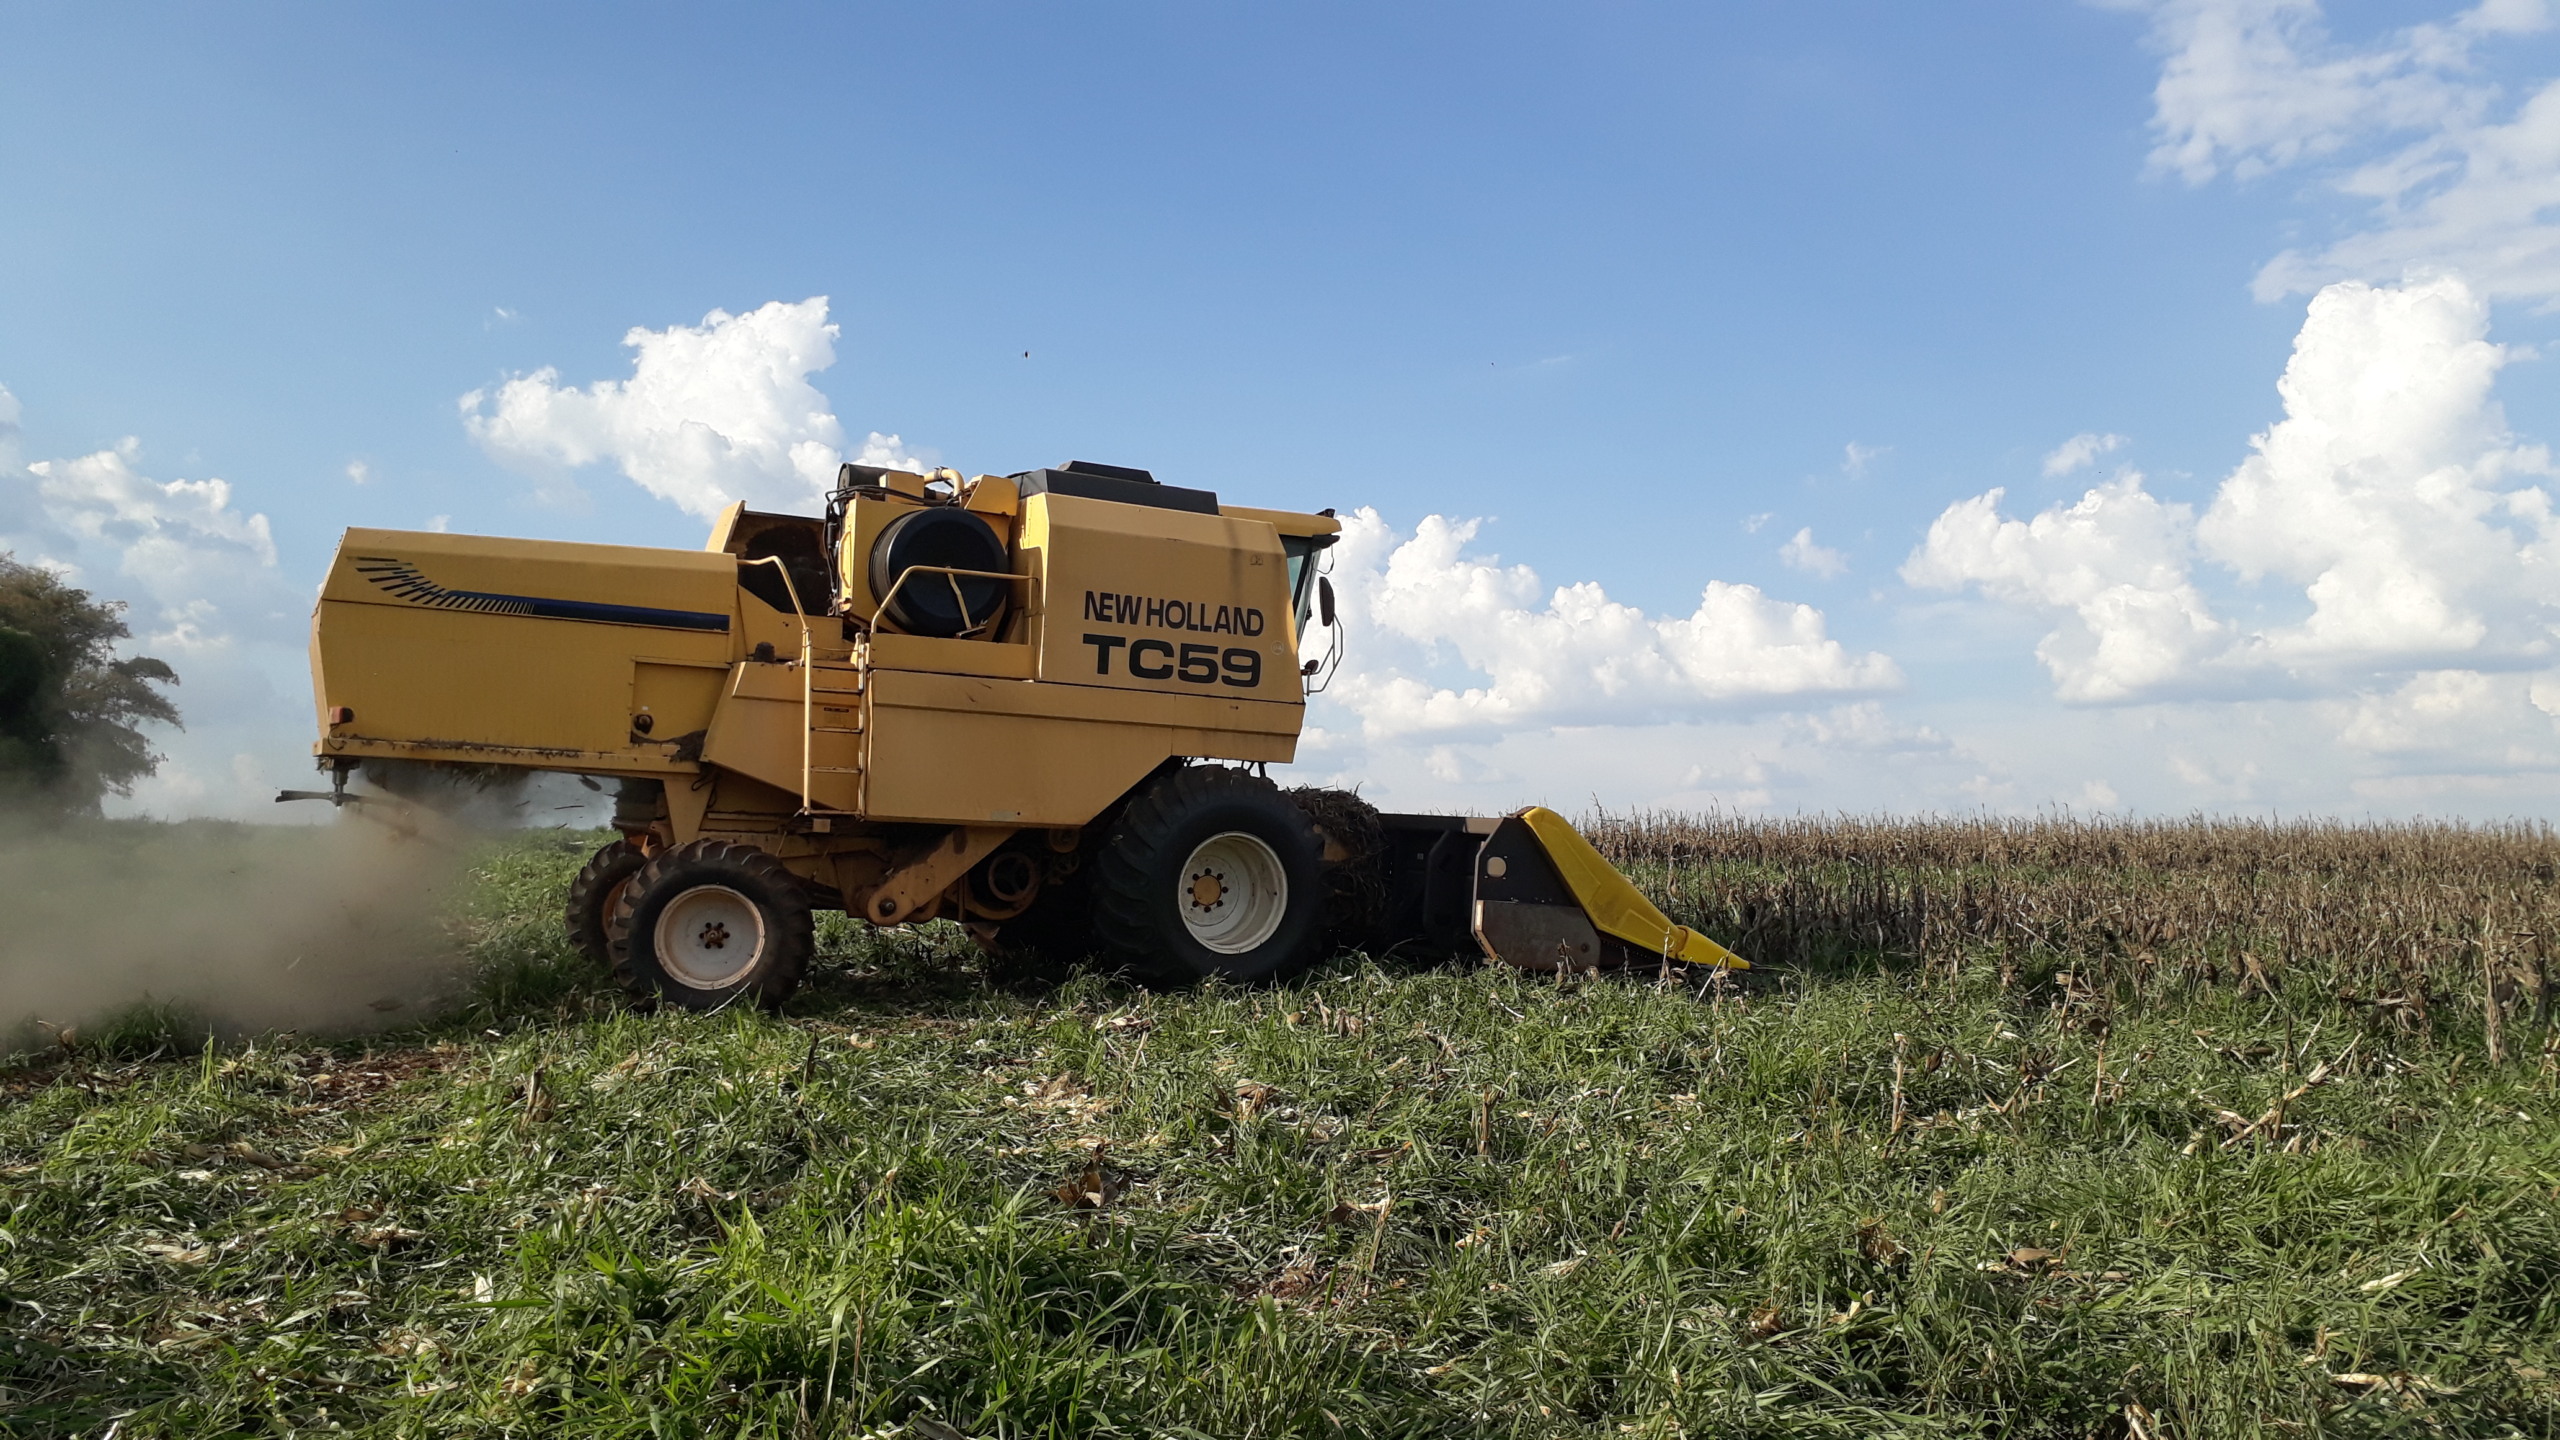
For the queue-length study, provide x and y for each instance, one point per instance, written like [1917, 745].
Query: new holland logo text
[1192, 664]
[403, 579]
[1197, 616]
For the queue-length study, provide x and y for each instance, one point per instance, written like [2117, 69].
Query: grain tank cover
[1086, 480]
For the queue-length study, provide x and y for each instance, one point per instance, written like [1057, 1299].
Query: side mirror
[1324, 600]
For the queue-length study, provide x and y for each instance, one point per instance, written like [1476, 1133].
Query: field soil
[2034, 1129]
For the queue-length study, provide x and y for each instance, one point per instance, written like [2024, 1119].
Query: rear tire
[707, 923]
[1210, 871]
[592, 896]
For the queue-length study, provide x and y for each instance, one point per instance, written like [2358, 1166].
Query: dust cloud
[327, 928]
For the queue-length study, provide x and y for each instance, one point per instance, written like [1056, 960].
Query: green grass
[1380, 1201]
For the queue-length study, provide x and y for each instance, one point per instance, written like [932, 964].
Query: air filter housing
[933, 603]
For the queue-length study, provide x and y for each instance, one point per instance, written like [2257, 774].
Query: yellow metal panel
[320, 701]
[1163, 601]
[1613, 903]
[923, 691]
[444, 566]
[958, 768]
[863, 522]
[457, 643]
[427, 675]
[963, 750]
[1231, 745]
[725, 528]
[951, 657]
[764, 680]
[758, 734]
[1287, 522]
[995, 495]
[678, 699]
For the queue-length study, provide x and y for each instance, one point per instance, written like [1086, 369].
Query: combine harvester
[980, 700]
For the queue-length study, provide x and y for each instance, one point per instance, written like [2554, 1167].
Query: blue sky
[1650, 291]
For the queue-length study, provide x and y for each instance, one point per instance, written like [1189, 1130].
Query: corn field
[2402, 916]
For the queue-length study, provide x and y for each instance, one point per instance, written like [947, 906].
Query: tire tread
[780, 889]
[590, 925]
[1127, 871]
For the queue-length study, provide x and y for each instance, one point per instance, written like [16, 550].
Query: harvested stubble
[1381, 1201]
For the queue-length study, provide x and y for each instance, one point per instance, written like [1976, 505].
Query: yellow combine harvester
[980, 700]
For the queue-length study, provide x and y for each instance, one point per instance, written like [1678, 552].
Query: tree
[70, 711]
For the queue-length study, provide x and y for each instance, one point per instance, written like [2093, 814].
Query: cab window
[1301, 550]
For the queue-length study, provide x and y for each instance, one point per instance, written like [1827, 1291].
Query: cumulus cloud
[2389, 493]
[712, 413]
[1446, 642]
[2115, 564]
[2477, 720]
[208, 565]
[181, 543]
[1801, 553]
[2389, 489]
[2457, 173]
[2079, 453]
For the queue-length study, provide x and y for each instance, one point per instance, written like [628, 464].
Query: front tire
[707, 923]
[1210, 871]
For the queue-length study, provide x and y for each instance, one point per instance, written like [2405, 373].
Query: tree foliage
[71, 712]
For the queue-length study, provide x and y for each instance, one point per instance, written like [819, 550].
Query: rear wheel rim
[709, 937]
[1232, 893]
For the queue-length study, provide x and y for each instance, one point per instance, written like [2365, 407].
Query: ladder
[810, 665]
[854, 672]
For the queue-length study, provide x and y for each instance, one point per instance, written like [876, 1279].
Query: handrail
[808, 661]
[952, 574]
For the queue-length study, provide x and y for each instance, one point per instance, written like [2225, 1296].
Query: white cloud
[2388, 493]
[2251, 86]
[2115, 563]
[2079, 453]
[2484, 201]
[177, 542]
[359, 472]
[1801, 553]
[1855, 458]
[1864, 725]
[713, 413]
[2483, 721]
[2456, 173]
[1443, 642]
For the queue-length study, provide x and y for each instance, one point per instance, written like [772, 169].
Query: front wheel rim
[1232, 893]
[710, 937]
